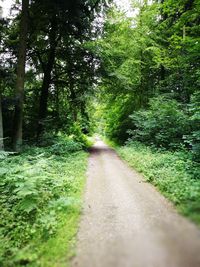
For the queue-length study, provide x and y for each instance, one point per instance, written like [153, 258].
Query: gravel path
[127, 223]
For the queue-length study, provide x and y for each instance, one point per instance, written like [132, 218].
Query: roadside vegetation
[149, 100]
[175, 174]
[40, 202]
[46, 86]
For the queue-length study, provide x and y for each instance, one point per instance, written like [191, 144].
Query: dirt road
[127, 223]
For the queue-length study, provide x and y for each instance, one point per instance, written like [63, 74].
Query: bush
[61, 143]
[193, 139]
[164, 124]
[65, 145]
[38, 192]
[78, 136]
[173, 172]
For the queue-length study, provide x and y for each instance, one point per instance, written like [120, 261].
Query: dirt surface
[127, 223]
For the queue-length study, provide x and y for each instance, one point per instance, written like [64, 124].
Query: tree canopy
[135, 66]
[48, 38]
[150, 73]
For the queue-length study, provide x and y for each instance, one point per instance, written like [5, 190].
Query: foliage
[78, 136]
[163, 124]
[174, 173]
[194, 137]
[148, 60]
[144, 71]
[40, 194]
[127, 51]
[60, 70]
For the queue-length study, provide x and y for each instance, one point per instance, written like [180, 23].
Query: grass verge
[40, 201]
[173, 173]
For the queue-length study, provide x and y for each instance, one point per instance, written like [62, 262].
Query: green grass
[58, 250]
[40, 201]
[173, 173]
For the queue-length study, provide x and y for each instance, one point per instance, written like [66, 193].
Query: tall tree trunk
[73, 100]
[18, 116]
[47, 78]
[1, 128]
[162, 72]
[44, 98]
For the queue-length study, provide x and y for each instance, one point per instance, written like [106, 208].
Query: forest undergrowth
[40, 199]
[174, 173]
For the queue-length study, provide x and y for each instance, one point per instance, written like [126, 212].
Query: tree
[1, 119]
[57, 27]
[128, 68]
[60, 72]
[1, 128]
[18, 116]
[155, 53]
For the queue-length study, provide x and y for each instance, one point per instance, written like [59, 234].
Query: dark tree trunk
[47, 79]
[73, 98]
[18, 115]
[1, 128]
[162, 72]
[44, 98]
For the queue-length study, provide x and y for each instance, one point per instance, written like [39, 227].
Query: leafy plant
[193, 139]
[163, 124]
[174, 173]
[39, 190]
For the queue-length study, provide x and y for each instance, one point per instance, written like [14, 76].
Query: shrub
[38, 192]
[193, 139]
[64, 145]
[78, 136]
[163, 124]
[173, 172]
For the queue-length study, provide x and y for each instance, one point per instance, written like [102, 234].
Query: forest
[72, 69]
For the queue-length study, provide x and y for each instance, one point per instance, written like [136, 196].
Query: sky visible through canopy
[6, 4]
[122, 4]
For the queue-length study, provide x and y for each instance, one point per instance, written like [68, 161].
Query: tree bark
[18, 115]
[47, 78]
[1, 128]
[73, 98]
